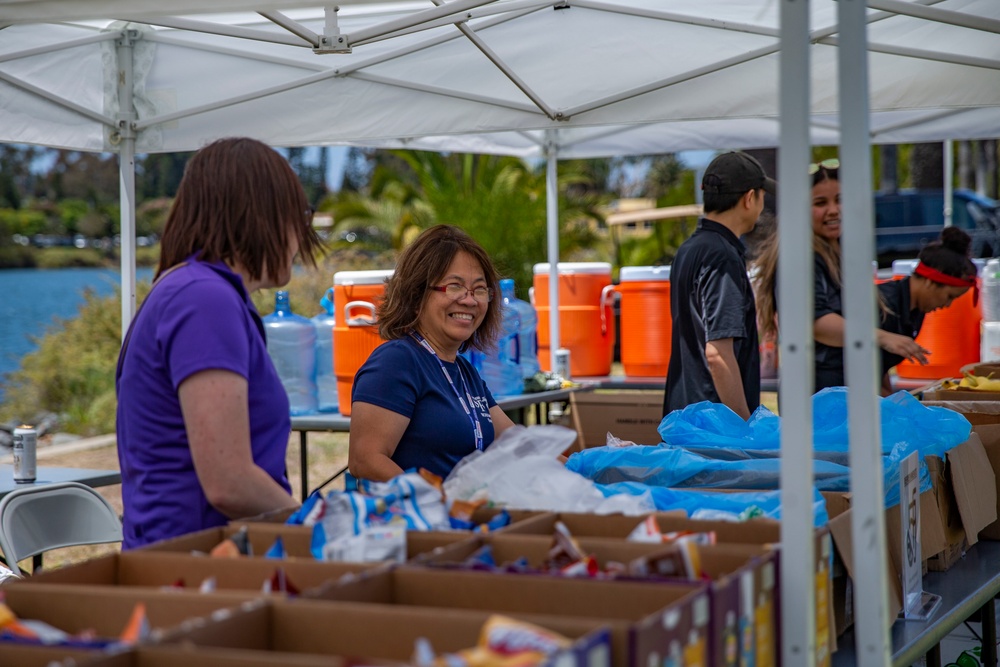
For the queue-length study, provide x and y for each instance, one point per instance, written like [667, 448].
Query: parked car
[907, 220]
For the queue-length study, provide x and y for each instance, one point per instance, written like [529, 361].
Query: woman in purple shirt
[203, 419]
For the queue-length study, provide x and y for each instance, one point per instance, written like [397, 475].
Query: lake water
[34, 299]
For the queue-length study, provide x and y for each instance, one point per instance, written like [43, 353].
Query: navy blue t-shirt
[405, 378]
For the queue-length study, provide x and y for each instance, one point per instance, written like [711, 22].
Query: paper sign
[909, 494]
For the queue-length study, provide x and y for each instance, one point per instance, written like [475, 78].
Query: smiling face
[447, 323]
[826, 209]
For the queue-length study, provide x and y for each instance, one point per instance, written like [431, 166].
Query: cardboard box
[741, 593]
[370, 631]
[758, 531]
[106, 612]
[648, 623]
[152, 569]
[934, 392]
[194, 656]
[985, 419]
[297, 540]
[627, 414]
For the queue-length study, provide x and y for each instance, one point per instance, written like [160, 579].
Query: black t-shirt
[901, 318]
[828, 361]
[710, 299]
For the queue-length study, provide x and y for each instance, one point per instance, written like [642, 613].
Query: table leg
[934, 656]
[539, 411]
[304, 463]
[988, 614]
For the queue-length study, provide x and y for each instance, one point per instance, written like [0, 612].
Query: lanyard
[477, 428]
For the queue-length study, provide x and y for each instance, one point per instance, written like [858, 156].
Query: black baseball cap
[736, 173]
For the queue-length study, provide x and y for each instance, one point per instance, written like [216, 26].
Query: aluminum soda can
[561, 365]
[25, 444]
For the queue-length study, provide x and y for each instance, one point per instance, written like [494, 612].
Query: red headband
[944, 279]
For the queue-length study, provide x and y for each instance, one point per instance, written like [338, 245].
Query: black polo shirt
[828, 361]
[710, 299]
[899, 318]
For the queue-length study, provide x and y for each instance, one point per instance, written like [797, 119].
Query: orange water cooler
[586, 318]
[355, 334]
[645, 320]
[951, 334]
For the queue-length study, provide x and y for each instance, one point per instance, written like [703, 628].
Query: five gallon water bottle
[527, 335]
[326, 381]
[501, 369]
[291, 344]
[990, 342]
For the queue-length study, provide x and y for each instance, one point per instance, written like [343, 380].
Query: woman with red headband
[943, 273]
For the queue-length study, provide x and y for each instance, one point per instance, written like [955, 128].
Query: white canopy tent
[556, 78]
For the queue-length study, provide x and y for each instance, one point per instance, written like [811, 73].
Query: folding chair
[36, 519]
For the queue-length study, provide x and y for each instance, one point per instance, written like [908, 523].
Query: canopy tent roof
[613, 77]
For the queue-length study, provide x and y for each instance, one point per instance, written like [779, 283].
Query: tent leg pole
[126, 170]
[552, 227]
[798, 561]
[861, 354]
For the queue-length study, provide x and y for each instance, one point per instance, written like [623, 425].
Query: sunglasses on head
[832, 163]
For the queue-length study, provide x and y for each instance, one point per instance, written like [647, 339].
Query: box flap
[974, 485]
[840, 529]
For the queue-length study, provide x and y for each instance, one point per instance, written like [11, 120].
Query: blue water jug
[501, 369]
[326, 381]
[291, 344]
[527, 336]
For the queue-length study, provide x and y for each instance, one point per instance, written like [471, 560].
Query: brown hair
[239, 201]
[422, 264]
[766, 261]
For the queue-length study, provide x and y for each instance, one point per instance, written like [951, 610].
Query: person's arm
[886, 385]
[829, 330]
[501, 422]
[217, 421]
[726, 375]
[375, 434]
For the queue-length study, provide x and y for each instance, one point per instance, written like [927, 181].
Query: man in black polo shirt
[714, 354]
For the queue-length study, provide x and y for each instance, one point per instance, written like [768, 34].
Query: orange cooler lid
[361, 277]
[644, 273]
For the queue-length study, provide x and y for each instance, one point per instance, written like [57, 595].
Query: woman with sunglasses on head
[417, 403]
[203, 419]
[828, 318]
[944, 272]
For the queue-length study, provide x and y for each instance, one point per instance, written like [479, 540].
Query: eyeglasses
[831, 163]
[456, 291]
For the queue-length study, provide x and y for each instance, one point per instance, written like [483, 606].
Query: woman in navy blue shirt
[416, 403]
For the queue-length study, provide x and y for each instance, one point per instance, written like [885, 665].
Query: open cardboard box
[194, 656]
[152, 569]
[985, 419]
[757, 531]
[370, 632]
[742, 590]
[106, 612]
[297, 540]
[648, 623]
[631, 415]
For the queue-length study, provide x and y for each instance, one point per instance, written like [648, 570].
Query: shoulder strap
[131, 326]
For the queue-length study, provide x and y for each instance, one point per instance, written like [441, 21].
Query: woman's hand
[903, 346]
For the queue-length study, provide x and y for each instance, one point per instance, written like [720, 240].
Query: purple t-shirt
[197, 318]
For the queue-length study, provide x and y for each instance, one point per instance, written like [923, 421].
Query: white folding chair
[36, 519]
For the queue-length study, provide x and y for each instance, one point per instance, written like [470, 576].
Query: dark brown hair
[422, 264]
[950, 254]
[239, 201]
